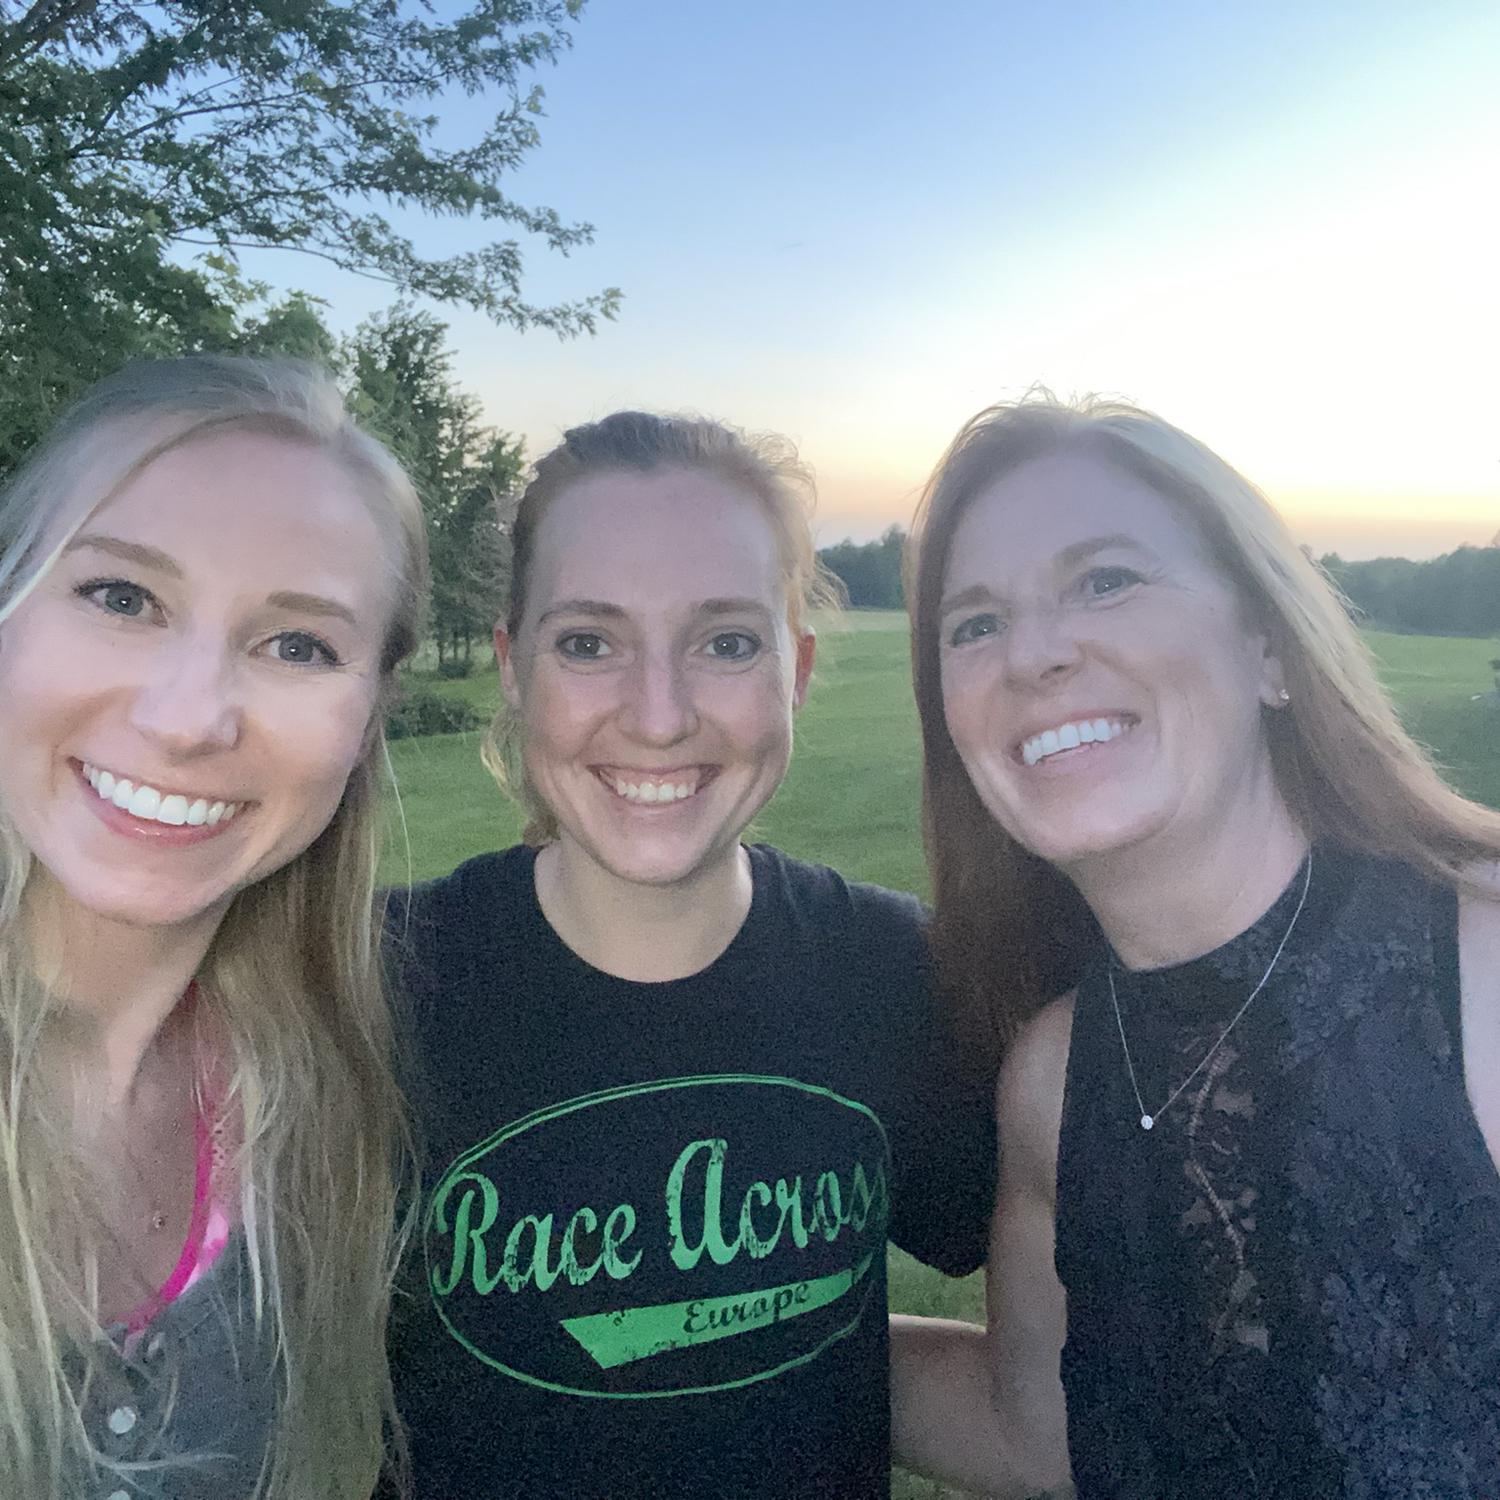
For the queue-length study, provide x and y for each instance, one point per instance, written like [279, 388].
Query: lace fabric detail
[1290, 1286]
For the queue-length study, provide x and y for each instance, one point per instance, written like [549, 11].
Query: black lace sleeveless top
[1290, 1287]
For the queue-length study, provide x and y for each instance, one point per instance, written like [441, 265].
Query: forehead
[654, 541]
[1027, 517]
[254, 504]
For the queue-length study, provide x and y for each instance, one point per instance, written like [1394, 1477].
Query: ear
[1272, 678]
[503, 654]
[807, 651]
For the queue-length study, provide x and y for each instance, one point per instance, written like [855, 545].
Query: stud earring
[1282, 696]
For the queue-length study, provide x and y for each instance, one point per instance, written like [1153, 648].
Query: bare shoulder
[1481, 883]
[1029, 1097]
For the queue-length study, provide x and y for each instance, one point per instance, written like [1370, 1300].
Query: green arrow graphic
[620, 1338]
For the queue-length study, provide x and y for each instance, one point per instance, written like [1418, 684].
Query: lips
[152, 805]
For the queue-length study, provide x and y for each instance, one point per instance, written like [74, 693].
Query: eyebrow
[1080, 550]
[159, 561]
[1070, 556]
[136, 552]
[734, 607]
[595, 607]
[600, 610]
[312, 604]
[976, 593]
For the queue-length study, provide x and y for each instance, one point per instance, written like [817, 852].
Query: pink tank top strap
[213, 1214]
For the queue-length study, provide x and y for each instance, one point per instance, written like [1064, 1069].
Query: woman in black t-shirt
[673, 1089]
[1248, 1206]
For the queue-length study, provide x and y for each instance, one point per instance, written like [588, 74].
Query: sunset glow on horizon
[1278, 227]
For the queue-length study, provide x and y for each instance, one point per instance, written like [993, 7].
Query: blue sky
[857, 223]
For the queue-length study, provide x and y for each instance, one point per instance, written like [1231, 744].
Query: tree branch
[36, 28]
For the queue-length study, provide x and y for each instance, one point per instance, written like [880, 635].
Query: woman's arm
[983, 1408]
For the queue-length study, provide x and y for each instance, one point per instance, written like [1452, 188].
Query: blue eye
[1100, 583]
[302, 648]
[117, 596]
[975, 628]
[583, 645]
[733, 645]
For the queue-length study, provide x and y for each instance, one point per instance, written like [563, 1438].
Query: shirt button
[117, 1495]
[121, 1420]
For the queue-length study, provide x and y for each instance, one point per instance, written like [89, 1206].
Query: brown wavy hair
[1010, 932]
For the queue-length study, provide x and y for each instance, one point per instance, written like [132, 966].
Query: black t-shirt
[651, 1257]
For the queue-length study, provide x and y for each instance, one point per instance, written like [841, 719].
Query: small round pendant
[1147, 1121]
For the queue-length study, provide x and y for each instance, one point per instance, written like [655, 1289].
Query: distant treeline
[871, 571]
[1456, 594]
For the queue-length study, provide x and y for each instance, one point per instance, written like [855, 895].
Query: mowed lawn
[851, 799]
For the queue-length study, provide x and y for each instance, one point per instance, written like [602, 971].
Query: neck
[117, 986]
[1170, 900]
[647, 933]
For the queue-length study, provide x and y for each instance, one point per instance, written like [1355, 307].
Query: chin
[660, 870]
[1083, 840]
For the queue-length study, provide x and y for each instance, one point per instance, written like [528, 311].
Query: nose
[1041, 648]
[191, 704]
[659, 707]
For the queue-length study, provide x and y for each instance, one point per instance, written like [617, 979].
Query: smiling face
[655, 671]
[1100, 681]
[189, 686]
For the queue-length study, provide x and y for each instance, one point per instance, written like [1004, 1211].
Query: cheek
[758, 706]
[964, 704]
[325, 741]
[558, 711]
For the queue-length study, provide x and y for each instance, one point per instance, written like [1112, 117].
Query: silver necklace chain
[1148, 1119]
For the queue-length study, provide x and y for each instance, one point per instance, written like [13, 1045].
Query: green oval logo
[663, 1239]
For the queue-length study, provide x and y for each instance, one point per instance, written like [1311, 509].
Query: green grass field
[851, 799]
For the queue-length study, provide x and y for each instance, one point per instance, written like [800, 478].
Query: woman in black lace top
[1248, 1233]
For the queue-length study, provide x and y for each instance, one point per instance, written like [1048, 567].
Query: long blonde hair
[291, 982]
[1009, 930]
[764, 465]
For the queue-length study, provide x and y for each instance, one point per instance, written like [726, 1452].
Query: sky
[856, 223]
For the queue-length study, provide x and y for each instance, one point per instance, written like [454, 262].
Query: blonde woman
[679, 1088]
[1248, 1209]
[207, 579]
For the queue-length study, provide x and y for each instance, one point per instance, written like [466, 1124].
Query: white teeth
[1070, 737]
[652, 791]
[148, 804]
[145, 802]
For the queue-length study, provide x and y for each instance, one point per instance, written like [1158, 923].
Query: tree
[870, 572]
[132, 132]
[405, 392]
